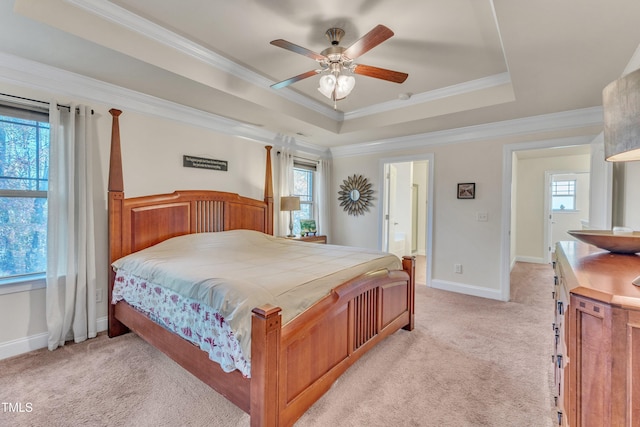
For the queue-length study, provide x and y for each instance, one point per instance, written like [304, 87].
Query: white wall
[457, 236]
[631, 200]
[152, 150]
[600, 185]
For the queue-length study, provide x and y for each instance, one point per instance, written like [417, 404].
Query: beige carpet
[469, 362]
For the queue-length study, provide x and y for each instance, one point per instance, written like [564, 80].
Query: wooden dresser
[597, 337]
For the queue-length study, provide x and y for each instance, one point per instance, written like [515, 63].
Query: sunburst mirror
[355, 195]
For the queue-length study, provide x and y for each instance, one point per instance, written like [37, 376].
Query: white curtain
[282, 187]
[71, 270]
[323, 196]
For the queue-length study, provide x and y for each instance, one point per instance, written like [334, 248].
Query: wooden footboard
[294, 365]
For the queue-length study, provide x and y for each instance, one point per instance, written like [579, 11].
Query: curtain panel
[283, 187]
[71, 269]
[322, 196]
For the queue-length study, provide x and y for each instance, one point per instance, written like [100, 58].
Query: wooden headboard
[139, 222]
[145, 221]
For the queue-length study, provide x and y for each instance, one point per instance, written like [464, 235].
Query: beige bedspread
[236, 271]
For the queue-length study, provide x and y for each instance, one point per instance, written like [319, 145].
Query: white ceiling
[469, 62]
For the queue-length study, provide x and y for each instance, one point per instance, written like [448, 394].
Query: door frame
[429, 157]
[507, 179]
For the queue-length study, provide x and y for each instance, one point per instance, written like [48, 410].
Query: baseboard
[534, 260]
[23, 345]
[35, 342]
[463, 288]
[102, 323]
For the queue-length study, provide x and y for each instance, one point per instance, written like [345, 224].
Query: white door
[398, 210]
[573, 190]
[395, 242]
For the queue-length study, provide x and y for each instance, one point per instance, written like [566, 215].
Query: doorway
[515, 228]
[566, 206]
[406, 214]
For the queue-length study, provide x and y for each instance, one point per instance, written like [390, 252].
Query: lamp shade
[621, 105]
[290, 203]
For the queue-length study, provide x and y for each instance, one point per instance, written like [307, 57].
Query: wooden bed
[292, 365]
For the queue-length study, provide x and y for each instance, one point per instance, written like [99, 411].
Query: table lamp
[290, 203]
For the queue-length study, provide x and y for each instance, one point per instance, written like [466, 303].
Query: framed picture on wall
[467, 190]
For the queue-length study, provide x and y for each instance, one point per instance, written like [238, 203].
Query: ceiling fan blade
[367, 42]
[298, 49]
[294, 79]
[380, 73]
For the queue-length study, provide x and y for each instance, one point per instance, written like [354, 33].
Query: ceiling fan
[336, 63]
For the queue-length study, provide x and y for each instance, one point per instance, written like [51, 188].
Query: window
[563, 195]
[303, 181]
[24, 166]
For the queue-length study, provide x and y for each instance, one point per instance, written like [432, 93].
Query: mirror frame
[356, 184]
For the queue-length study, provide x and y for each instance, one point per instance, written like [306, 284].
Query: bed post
[409, 265]
[116, 195]
[265, 357]
[268, 192]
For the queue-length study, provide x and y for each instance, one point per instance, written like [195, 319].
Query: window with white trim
[303, 182]
[24, 168]
[563, 195]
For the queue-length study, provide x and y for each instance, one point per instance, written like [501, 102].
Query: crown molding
[433, 95]
[543, 123]
[35, 75]
[23, 72]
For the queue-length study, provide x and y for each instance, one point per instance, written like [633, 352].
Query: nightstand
[313, 239]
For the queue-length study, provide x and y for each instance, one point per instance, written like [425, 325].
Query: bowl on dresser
[618, 242]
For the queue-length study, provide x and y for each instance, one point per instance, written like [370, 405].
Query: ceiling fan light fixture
[327, 84]
[336, 88]
[345, 85]
[336, 63]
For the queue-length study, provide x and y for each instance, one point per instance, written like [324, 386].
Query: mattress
[221, 277]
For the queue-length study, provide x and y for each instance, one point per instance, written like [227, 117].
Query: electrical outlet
[457, 268]
[99, 295]
[482, 216]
